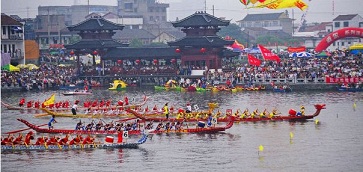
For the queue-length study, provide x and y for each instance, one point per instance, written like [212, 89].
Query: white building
[12, 39]
[342, 21]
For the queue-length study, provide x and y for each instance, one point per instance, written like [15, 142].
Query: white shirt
[189, 108]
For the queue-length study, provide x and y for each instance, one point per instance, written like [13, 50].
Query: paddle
[41, 115]
[24, 129]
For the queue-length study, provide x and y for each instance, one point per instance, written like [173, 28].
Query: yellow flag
[280, 4]
[50, 100]
[260, 148]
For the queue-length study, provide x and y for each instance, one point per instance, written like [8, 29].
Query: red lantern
[95, 52]
[119, 61]
[155, 61]
[72, 52]
[173, 60]
[177, 50]
[137, 61]
[202, 50]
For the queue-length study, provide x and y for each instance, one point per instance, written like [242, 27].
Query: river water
[334, 144]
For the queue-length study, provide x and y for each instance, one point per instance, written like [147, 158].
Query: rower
[263, 114]
[254, 113]
[64, 140]
[88, 140]
[79, 125]
[18, 140]
[21, 102]
[99, 125]
[28, 137]
[90, 126]
[29, 104]
[40, 141]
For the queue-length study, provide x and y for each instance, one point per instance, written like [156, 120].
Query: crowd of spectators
[338, 65]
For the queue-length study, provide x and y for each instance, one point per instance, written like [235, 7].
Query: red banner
[252, 60]
[296, 49]
[343, 79]
[267, 54]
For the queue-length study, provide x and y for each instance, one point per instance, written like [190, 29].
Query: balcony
[16, 37]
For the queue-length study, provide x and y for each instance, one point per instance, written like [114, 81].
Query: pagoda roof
[210, 41]
[141, 53]
[95, 44]
[229, 53]
[95, 23]
[200, 19]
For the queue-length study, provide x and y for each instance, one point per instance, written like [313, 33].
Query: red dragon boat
[212, 129]
[318, 108]
[109, 144]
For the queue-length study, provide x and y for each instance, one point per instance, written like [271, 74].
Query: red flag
[252, 60]
[268, 55]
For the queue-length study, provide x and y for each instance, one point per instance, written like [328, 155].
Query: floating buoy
[316, 122]
[354, 106]
[260, 148]
[291, 135]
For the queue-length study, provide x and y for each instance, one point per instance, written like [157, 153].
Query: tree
[234, 31]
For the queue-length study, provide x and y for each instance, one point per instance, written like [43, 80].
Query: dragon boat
[106, 145]
[187, 129]
[204, 116]
[67, 108]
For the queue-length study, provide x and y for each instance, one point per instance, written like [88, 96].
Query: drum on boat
[201, 124]
[292, 112]
[109, 139]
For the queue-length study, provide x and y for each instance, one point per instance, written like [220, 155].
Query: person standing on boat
[166, 110]
[74, 107]
[189, 108]
[302, 110]
[51, 121]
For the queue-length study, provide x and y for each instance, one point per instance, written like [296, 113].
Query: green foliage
[234, 31]
[136, 43]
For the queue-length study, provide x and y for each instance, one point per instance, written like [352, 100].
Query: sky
[318, 11]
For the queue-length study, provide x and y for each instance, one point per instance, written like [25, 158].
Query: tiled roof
[200, 19]
[208, 41]
[345, 17]
[144, 53]
[95, 24]
[318, 27]
[259, 17]
[8, 21]
[133, 34]
[95, 44]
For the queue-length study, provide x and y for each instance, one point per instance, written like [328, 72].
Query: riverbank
[295, 87]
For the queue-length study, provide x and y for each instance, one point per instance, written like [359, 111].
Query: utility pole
[48, 24]
[205, 5]
[88, 6]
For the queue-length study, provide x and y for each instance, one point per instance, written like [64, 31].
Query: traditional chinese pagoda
[201, 46]
[96, 34]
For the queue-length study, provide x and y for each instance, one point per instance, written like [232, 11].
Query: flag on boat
[50, 100]
[252, 60]
[268, 55]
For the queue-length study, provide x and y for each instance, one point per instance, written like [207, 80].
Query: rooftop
[200, 19]
[345, 17]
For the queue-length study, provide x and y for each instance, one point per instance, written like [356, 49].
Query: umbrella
[293, 55]
[304, 54]
[356, 47]
[10, 68]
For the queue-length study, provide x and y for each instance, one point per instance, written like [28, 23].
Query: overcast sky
[319, 10]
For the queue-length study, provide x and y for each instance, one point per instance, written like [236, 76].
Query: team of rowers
[245, 114]
[42, 140]
[116, 126]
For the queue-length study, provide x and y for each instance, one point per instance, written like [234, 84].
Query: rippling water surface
[336, 144]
